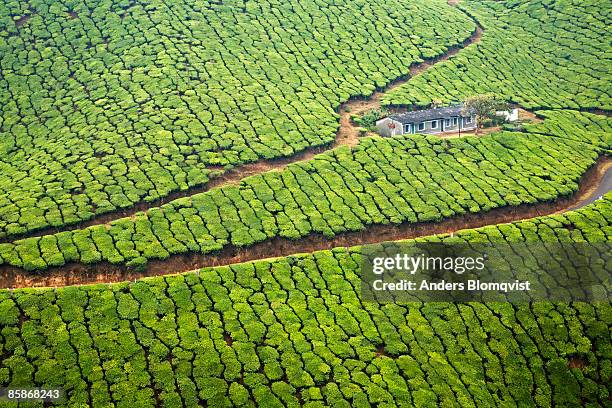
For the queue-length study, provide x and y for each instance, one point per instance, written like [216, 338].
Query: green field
[295, 332]
[109, 107]
[540, 54]
[381, 181]
[131, 101]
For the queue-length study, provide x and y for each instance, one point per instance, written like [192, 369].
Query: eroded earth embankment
[592, 183]
[347, 135]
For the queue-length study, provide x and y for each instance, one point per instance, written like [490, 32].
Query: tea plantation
[104, 104]
[540, 54]
[114, 105]
[295, 332]
[381, 181]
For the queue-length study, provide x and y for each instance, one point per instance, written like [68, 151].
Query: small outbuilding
[432, 121]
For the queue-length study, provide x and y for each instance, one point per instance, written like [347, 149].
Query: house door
[407, 128]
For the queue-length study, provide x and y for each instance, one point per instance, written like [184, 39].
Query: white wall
[384, 130]
[510, 116]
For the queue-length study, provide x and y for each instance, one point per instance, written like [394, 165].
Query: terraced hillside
[540, 54]
[295, 332]
[111, 110]
[381, 181]
[106, 104]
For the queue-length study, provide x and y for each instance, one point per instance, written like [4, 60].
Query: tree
[484, 107]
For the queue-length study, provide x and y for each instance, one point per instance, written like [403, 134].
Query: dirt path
[347, 135]
[78, 274]
[596, 190]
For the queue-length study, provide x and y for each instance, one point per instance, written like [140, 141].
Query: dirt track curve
[78, 274]
[347, 135]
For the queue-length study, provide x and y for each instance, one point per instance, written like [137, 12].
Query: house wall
[429, 130]
[383, 128]
[510, 116]
[451, 127]
[465, 126]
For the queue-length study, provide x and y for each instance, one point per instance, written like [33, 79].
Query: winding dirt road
[592, 184]
[598, 189]
[78, 274]
[347, 135]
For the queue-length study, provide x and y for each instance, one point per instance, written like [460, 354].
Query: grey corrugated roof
[428, 114]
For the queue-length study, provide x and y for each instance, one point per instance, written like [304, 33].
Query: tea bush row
[412, 179]
[295, 332]
[105, 104]
[540, 54]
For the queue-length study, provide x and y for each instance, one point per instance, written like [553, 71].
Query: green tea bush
[385, 181]
[296, 331]
[532, 53]
[123, 102]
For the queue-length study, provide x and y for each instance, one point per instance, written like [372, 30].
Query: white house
[433, 121]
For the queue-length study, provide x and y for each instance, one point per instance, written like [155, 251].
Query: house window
[422, 126]
[407, 128]
[468, 120]
[455, 121]
[447, 122]
[434, 124]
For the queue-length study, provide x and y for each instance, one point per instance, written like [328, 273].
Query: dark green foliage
[296, 331]
[381, 181]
